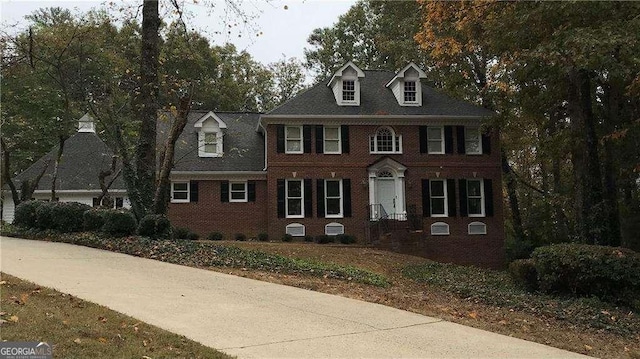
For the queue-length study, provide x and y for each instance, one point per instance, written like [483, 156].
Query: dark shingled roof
[376, 99]
[83, 157]
[243, 145]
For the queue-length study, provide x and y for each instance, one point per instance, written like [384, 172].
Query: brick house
[375, 154]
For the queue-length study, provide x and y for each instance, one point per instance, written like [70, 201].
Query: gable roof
[84, 156]
[376, 99]
[243, 146]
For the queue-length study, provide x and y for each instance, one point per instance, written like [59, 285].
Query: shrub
[44, 215]
[25, 214]
[180, 233]
[155, 226]
[93, 219]
[193, 236]
[119, 223]
[263, 237]
[68, 216]
[215, 236]
[524, 273]
[346, 238]
[240, 237]
[324, 239]
[308, 238]
[287, 238]
[609, 273]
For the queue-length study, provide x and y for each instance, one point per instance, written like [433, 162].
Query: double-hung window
[348, 90]
[472, 141]
[475, 198]
[438, 196]
[294, 199]
[333, 198]
[332, 139]
[238, 192]
[179, 192]
[435, 139]
[210, 142]
[410, 91]
[293, 139]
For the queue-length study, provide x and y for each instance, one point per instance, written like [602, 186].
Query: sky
[275, 28]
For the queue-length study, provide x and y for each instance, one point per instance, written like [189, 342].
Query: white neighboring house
[83, 157]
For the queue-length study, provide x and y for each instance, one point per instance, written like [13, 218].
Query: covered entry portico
[387, 190]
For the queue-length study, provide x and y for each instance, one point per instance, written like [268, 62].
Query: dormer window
[406, 85]
[210, 135]
[345, 84]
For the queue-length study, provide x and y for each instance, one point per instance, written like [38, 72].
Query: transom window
[237, 191]
[475, 197]
[410, 91]
[348, 90]
[332, 139]
[385, 141]
[472, 141]
[295, 199]
[435, 139]
[438, 196]
[293, 139]
[333, 198]
[179, 192]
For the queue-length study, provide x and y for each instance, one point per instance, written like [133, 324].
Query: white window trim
[482, 198]
[355, 90]
[442, 141]
[286, 199]
[201, 144]
[440, 224]
[397, 142]
[333, 224]
[417, 92]
[180, 200]
[479, 139]
[341, 214]
[446, 202]
[477, 223]
[324, 140]
[286, 140]
[296, 225]
[246, 190]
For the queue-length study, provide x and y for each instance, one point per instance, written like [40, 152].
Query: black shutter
[306, 134]
[451, 197]
[281, 189]
[422, 132]
[308, 200]
[320, 190]
[463, 198]
[486, 143]
[193, 191]
[448, 139]
[251, 191]
[344, 137]
[460, 139]
[224, 191]
[346, 192]
[319, 139]
[426, 199]
[488, 197]
[280, 138]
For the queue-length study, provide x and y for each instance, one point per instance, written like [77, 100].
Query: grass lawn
[80, 329]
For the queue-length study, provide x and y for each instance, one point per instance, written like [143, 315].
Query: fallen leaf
[2, 321]
[144, 343]
[102, 340]
[503, 322]
[3, 282]
[473, 315]
[588, 347]
[65, 322]
[102, 319]
[77, 341]
[24, 297]
[14, 318]
[3, 313]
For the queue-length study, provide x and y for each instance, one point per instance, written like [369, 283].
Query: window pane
[179, 195]
[384, 140]
[331, 133]
[333, 188]
[333, 206]
[237, 186]
[119, 202]
[437, 206]
[471, 133]
[294, 207]
[473, 188]
[472, 146]
[331, 146]
[434, 146]
[179, 186]
[294, 189]
[294, 145]
[475, 206]
[209, 137]
[437, 188]
[211, 148]
[293, 132]
[237, 195]
[434, 133]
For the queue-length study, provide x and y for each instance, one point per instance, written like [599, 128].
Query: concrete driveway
[249, 318]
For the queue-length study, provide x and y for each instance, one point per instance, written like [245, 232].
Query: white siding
[8, 209]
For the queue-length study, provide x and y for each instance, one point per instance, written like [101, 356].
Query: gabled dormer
[406, 85]
[86, 124]
[210, 135]
[345, 84]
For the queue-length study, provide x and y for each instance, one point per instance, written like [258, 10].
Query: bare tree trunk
[102, 176]
[54, 176]
[6, 173]
[514, 205]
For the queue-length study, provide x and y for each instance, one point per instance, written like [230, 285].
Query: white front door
[386, 194]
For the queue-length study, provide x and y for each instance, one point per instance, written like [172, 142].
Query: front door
[386, 194]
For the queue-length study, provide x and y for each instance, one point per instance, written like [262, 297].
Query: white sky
[284, 30]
